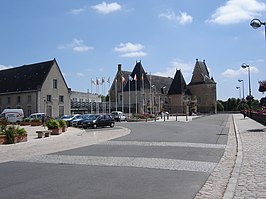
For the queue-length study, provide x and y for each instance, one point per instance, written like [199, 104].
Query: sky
[89, 38]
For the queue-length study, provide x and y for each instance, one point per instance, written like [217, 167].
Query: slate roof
[178, 85]
[24, 78]
[140, 74]
[201, 74]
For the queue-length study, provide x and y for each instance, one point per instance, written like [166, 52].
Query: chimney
[119, 67]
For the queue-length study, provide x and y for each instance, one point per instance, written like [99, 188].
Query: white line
[139, 162]
[173, 144]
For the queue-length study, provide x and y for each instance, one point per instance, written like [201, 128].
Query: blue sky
[89, 38]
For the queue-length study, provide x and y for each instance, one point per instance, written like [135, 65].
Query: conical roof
[178, 85]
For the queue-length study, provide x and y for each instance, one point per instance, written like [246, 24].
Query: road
[156, 160]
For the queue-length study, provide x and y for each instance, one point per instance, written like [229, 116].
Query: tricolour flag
[130, 78]
[135, 77]
[123, 79]
[93, 82]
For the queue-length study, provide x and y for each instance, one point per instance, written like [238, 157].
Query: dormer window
[55, 83]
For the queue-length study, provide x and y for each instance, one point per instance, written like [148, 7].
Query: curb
[231, 187]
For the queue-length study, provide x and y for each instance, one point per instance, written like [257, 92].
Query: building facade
[140, 92]
[38, 87]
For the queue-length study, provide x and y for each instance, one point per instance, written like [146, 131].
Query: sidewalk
[241, 172]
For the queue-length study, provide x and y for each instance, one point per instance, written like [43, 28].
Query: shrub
[26, 120]
[52, 124]
[62, 123]
[11, 131]
[37, 120]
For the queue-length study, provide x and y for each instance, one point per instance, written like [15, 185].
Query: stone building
[146, 93]
[38, 87]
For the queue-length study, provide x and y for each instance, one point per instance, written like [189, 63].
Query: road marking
[139, 162]
[173, 144]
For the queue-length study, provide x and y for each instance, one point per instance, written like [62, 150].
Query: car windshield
[93, 117]
[86, 117]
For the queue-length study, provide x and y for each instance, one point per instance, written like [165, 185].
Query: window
[29, 98]
[49, 111]
[8, 100]
[18, 99]
[48, 98]
[61, 110]
[54, 83]
[28, 109]
[61, 98]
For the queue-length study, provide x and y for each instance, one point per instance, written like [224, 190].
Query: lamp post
[238, 87]
[256, 23]
[153, 100]
[247, 66]
[241, 80]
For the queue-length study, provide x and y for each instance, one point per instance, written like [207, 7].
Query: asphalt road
[156, 160]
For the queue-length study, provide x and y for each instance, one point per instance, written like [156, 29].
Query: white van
[13, 115]
[118, 116]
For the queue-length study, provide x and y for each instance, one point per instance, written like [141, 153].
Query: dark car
[95, 121]
[79, 121]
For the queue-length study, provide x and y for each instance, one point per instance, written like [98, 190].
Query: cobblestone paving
[216, 184]
[252, 179]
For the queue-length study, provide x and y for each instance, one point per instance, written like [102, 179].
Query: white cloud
[235, 11]
[130, 50]
[128, 47]
[2, 67]
[80, 74]
[182, 19]
[177, 64]
[231, 73]
[106, 8]
[134, 54]
[76, 11]
[76, 45]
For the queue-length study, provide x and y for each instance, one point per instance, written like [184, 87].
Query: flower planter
[18, 138]
[64, 128]
[35, 123]
[56, 131]
[24, 123]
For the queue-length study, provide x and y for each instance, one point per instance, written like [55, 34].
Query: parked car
[70, 119]
[95, 121]
[118, 116]
[78, 121]
[34, 116]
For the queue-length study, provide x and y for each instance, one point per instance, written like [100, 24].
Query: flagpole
[150, 95]
[115, 94]
[109, 97]
[129, 105]
[122, 83]
[142, 79]
[136, 93]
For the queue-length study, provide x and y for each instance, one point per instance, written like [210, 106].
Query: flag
[93, 82]
[103, 80]
[108, 80]
[142, 77]
[130, 78]
[98, 82]
[135, 77]
[123, 79]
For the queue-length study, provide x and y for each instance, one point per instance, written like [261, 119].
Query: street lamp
[238, 87]
[241, 80]
[256, 23]
[153, 98]
[247, 66]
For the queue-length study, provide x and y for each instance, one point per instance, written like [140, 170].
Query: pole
[129, 105]
[109, 96]
[249, 81]
[150, 94]
[243, 89]
[136, 93]
[122, 84]
[143, 99]
[115, 94]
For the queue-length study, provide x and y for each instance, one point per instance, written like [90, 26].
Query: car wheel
[94, 126]
[112, 125]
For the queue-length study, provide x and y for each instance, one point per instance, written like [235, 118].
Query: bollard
[168, 116]
[164, 117]
[176, 117]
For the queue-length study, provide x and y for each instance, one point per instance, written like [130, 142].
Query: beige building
[38, 87]
[140, 92]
